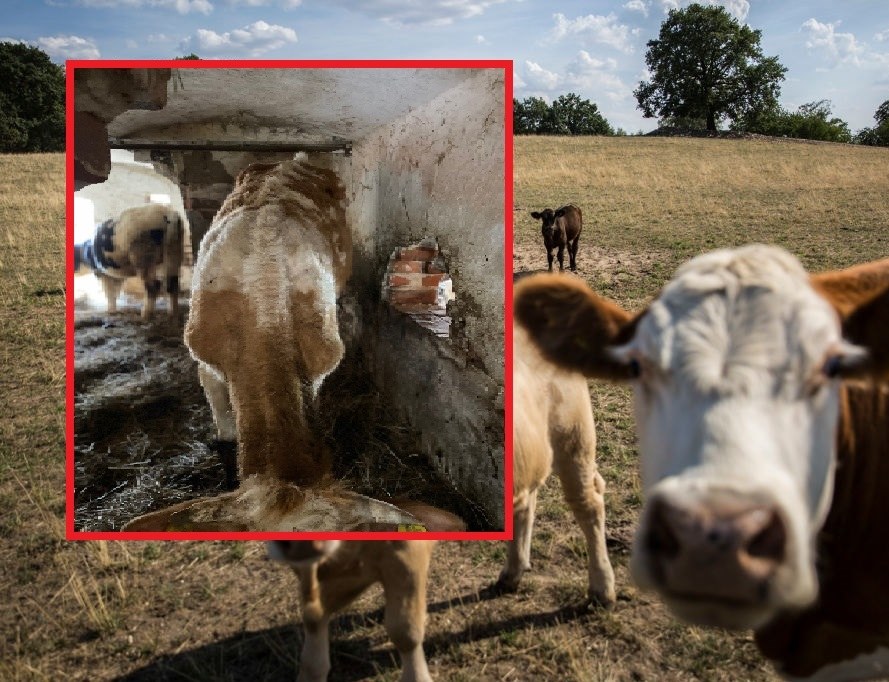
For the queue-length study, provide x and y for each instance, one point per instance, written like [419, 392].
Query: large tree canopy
[705, 65]
[32, 100]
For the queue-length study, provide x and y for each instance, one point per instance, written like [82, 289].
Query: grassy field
[221, 611]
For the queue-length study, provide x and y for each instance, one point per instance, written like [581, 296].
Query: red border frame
[506, 65]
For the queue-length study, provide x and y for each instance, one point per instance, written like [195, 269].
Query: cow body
[561, 229]
[145, 242]
[765, 476]
[553, 429]
[263, 324]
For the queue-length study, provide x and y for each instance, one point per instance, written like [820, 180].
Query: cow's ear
[573, 327]
[861, 297]
[560, 213]
[535, 215]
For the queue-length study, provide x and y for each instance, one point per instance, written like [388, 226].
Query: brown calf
[561, 228]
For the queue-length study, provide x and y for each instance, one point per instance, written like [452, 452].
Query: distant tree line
[567, 115]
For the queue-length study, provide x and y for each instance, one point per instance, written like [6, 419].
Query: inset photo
[287, 299]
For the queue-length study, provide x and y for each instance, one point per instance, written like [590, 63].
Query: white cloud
[739, 9]
[481, 40]
[518, 83]
[593, 75]
[585, 75]
[881, 36]
[181, 6]
[158, 38]
[539, 78]
[414, 12]
[60, 48]
[637, 6]
[839, 48]
[842, 48]
[594, 28]
[253, 40]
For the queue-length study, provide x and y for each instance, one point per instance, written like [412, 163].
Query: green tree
[572, 115]
[878, 136]
[882, 114]
[530, 116]
[32, 100]
[705, 65]
[812, 121]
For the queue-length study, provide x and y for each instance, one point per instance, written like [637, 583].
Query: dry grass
[220, 611]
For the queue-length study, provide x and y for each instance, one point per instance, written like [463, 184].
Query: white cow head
[734, 370]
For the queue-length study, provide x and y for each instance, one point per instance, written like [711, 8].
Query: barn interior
[421, 154]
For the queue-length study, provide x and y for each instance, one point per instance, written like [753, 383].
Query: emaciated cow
[561, 228]
[144, 241]
[263, 327]
[766, 476]
[553, 428]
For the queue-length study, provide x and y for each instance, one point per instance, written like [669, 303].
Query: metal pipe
[231, 145]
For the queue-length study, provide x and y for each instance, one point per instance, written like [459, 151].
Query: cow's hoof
[600, 600]
[502, 586]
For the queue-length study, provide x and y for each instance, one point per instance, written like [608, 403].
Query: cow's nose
[715, 549]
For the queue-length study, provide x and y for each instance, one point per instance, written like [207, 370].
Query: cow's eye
[846, 363]
[635, 368]
[832, 366]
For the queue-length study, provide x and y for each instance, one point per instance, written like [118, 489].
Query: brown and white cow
[766, 476]
[263, 327]
[553, 429]
[143, 241]
[561, 228]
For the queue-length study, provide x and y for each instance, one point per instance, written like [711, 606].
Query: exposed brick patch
[407, 266]
[411, 296]
[417, 283]
[420, 253]
[431, 280]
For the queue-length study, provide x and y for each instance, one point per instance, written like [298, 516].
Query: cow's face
[548, 217]
[736, 412]
[736, 403]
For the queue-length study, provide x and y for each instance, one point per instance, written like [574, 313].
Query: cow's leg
[518, 557]
[152, 289]
[561, 256]
[111, 286]
[549, 258]
[173, 246]
[314, 661]
[574, 461]
[223, 415]
[173, 294]
[404, 584]
[572, 253]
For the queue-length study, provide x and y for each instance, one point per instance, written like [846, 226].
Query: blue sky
[832, 50]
